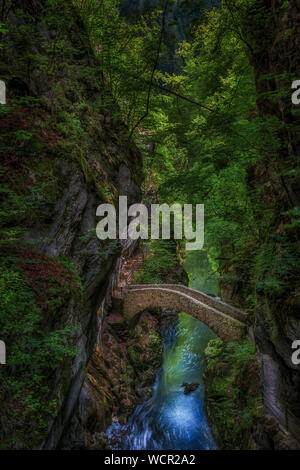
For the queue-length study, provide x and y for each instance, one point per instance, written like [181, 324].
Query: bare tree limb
[183, 97]
[237, 30]
[162, 30]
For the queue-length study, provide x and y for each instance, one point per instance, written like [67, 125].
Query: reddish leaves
[44, 273]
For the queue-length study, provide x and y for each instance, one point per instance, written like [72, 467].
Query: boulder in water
[189, 388]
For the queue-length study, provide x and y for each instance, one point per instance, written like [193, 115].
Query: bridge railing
[201, 296]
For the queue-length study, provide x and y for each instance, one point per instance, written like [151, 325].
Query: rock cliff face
[275, 57]
[65, 152]
[233, 400]
[120, 376]
[271, 33]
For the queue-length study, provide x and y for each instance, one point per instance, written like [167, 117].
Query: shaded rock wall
[75, 155]
[273, 32]
[271, 36]
[120, 376]
[233, 400]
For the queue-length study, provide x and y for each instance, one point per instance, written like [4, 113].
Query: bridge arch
[229, 325]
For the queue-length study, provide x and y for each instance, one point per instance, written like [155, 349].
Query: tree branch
[183, 97]
[163, 23]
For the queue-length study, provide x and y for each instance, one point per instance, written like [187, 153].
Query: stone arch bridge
[225, 321]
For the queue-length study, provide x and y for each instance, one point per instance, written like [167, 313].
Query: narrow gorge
[140, 344]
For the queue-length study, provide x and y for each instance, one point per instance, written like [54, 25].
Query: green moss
[34, 356]
[233, 394]
[214, 348]
[134, 356]
[157, 266]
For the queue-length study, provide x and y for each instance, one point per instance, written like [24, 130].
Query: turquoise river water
[171, 420]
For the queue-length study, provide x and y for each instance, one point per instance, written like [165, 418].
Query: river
[171, 420]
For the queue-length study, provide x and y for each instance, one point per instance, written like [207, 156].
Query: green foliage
[208, 152]
[33, 357]
[275, 266]
[126, 53]
[233, 395]
[240, 354]
[111, 247]
[157, 264]
[214, 348]
[212, 153]
[15, 208]
[37, 134]
[203, 141]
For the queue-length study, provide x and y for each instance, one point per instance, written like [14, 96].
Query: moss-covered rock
[232, 393]
[189, 388]
[64, 153]
[119, 377]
